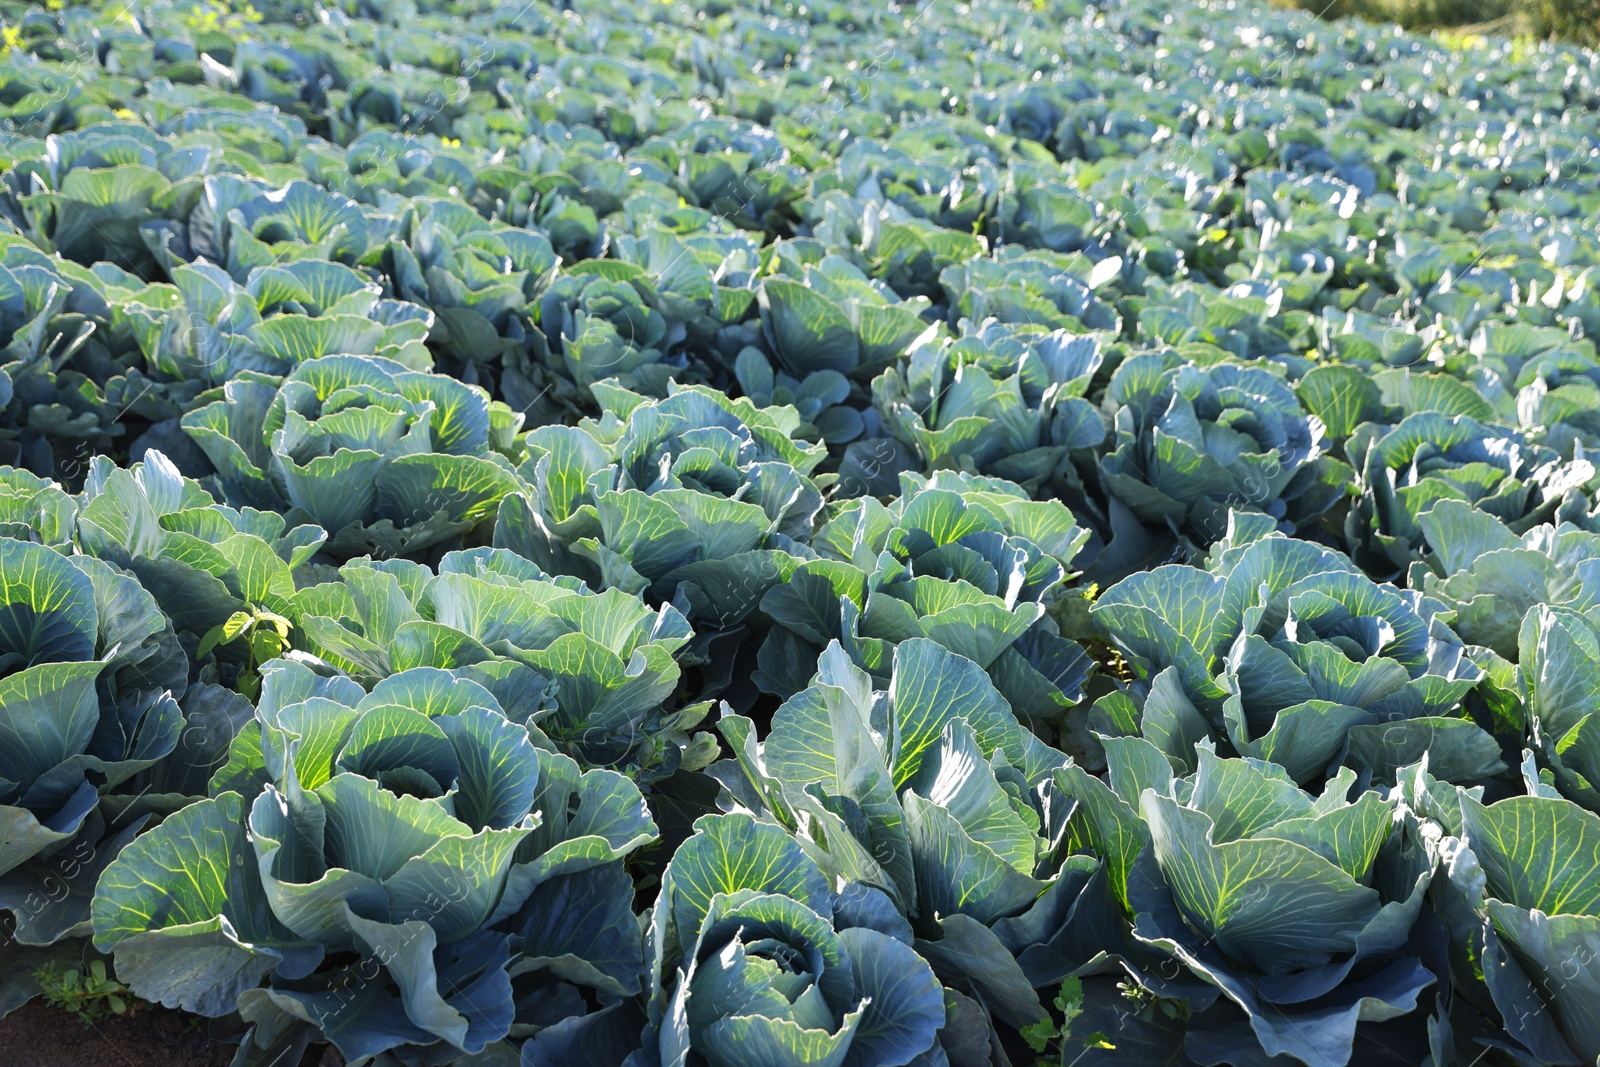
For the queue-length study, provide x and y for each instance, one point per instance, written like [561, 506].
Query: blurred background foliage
[1572, 20]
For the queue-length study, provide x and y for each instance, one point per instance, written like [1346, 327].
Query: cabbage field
[800, 533]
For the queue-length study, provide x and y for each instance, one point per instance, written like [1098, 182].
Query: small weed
[260, 634]
[1047, 1032]
[89, 993]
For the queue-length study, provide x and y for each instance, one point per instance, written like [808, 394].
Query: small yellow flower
[13, 36]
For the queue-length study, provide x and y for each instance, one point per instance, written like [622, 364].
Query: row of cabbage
[634, 538]
[412, 839]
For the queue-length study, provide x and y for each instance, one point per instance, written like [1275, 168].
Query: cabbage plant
[1027, 287]
[603, 322]
[970, 563]
[1527, 873]
[200, 560]
[478, 278]
[207, 327]
[34, 508]
[596, 671]
[91, 675]
[1491, 578]
[738, 170]
[240, 223]
[384, 458]
[999, 400]
[697, 499]
[372, 868]
[1285, 964]
[103, 193]
[820, 397]
[1556, 680]
[753, 963]
[1286, 652]
[1404, 470]
[931, 801]
[1193, 442]
[54, 316]
[828, 315]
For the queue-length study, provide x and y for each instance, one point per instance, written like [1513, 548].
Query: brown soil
[37, 1035]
